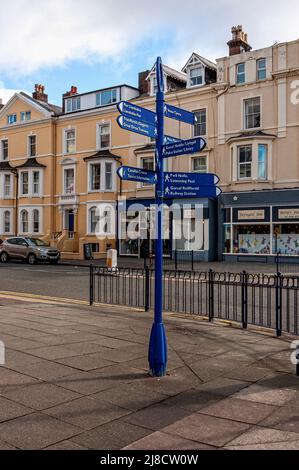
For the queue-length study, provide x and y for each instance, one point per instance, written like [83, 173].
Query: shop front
[257, 226]
[189, 225]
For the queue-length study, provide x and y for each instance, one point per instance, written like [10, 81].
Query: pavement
[76, 378]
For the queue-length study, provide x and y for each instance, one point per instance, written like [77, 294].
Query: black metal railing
[269, 301]
[287, 264]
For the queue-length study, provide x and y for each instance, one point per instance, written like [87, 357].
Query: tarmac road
[42, 279]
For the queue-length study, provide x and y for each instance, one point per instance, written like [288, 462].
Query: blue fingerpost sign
[150, 124]
[180, 114]
[139, 175]
[184, 147]
[136, 112]
[139, 127]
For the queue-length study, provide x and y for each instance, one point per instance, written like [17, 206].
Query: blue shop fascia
[179, 227]
[256, 225]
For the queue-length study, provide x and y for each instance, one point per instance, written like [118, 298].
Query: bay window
[262, 161]
[101, 176]
[245, 162]
[7, 222]
[101, 220]
[7, 185]
[24, 183]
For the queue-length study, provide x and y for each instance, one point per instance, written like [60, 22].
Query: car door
[21, 248]
[12, 247]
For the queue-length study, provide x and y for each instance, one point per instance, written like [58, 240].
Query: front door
[70, 222]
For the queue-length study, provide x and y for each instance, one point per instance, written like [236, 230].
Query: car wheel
[4, 257]
[32, 259]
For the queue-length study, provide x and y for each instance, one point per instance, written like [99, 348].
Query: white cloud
[36, 35]
[6, 94]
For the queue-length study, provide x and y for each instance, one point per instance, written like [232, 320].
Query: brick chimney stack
[239, 42]
[1, 104]
[73, 91]
[143, 83]
[39, 94]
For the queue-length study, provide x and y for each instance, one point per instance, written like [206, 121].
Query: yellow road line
[40, 298]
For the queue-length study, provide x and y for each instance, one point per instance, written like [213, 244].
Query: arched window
[36, 221]
[93, 219]
[6, 222]
[24, 221]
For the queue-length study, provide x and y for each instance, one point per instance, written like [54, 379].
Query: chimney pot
[239, 41]
[39, 93]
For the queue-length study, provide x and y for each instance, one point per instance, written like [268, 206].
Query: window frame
[73, 104]
[198, 157]
[9, 195]
[99, 135]
[245, 178]
[66, 141]
[4, 149]
[30, 145]
[197, 111]
[64, 171]
[14, 121]
[24, 116]
[103, 187]
[202, 75]
[101, 209]
[7, 211]
[246, 117]
[99, 94]
[259, 70]
[238, 74]
[31, 191]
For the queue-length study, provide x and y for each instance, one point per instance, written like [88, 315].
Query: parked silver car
[31, 250]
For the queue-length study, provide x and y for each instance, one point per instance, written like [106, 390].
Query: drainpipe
[16, 174]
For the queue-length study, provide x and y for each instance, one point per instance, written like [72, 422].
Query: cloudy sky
[96, 43]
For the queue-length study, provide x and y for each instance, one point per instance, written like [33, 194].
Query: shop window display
[252, 239]
[286, 239]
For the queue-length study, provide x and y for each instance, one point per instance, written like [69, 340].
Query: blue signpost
[129, 173]
[184, 147]
[168, 185]
[140, 127]
[136, 112]
[180, 114]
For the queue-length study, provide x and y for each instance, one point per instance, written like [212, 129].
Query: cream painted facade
[79, 148]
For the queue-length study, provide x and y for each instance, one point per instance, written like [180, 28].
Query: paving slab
[240, 410]
[40, 396]
[207, 429]
[10, 410]
[77, 378]
[130, 396]
[36, 431]
[87, 413]
[270, 396]
[258, 437]
[163, 441]
[111, 436]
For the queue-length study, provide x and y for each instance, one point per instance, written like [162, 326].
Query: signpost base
[158, 351]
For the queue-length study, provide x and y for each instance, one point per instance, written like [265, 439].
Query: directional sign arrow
[139, 127]
[179, 192]
[184, 147]
[136, 112]
[139, 175]
[171, 140]
[179, 114]
[196, 180]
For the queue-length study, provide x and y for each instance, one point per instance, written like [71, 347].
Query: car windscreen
[35, 242]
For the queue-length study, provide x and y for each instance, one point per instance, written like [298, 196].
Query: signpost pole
[158, 342]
